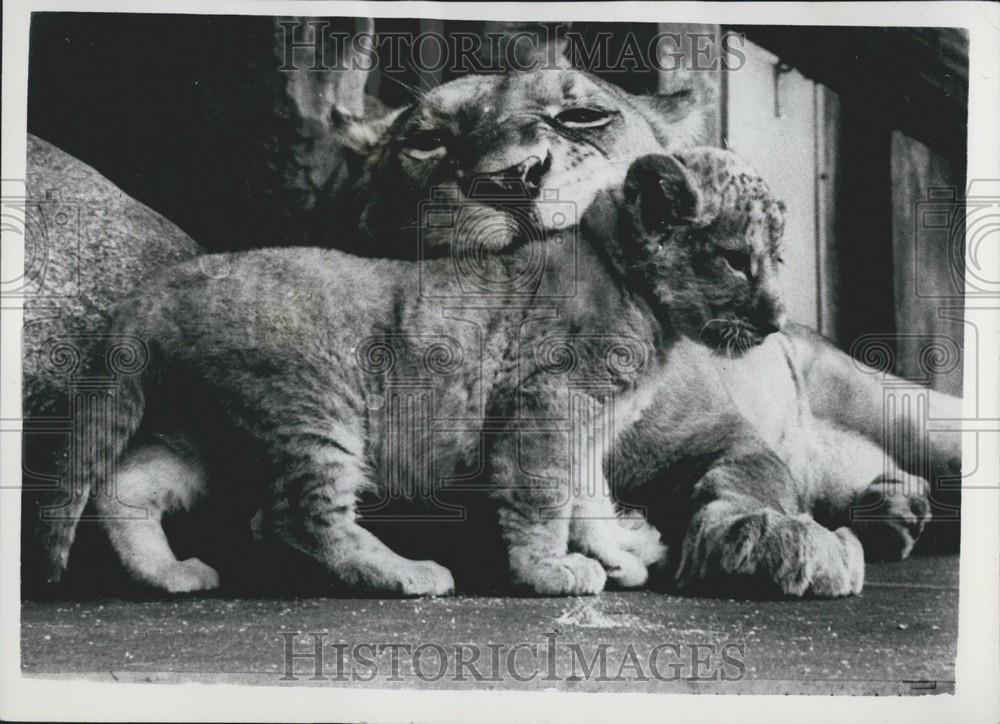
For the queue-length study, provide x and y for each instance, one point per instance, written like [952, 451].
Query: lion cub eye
[737, 260]
[426, 144]
[583, 118]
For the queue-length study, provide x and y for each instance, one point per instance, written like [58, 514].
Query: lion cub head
[500, 148]
[701, 232]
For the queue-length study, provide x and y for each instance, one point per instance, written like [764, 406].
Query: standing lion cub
[277, 364]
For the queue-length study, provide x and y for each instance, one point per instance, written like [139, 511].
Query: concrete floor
[899, 636]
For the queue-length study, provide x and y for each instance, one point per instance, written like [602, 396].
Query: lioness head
[701, 231]
[501, 148]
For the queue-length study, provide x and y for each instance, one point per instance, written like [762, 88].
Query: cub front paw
[768, 553]
[571, 575]
[426, 578]
[188, 576]
[838, 567]
[889, 516]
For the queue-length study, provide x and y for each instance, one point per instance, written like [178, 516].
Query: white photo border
[977, 669]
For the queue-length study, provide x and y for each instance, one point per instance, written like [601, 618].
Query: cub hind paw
[628, 571]
[571, 575]
[624, 547]
[642, 540]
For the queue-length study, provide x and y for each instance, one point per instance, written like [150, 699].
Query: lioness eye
[738, 261]
[583, 118]
[425, 144]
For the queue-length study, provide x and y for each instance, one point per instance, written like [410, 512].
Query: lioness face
[706, 231]
[510, 153]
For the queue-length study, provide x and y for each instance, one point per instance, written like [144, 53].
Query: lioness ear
[362, 135]
[661, 193]
[676, 118]
[525, 45]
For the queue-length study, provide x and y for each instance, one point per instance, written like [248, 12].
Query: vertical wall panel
[827, 209]
[771, 122]
[927, 265]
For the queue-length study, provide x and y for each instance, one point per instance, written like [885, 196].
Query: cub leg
[314, 514]
[157, 480]
[541, 518]
[736, 544]
[540, 560]
[595, 529]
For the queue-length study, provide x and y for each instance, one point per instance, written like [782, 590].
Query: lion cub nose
[772, 323]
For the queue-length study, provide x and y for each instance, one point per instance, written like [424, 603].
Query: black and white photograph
[497, 358]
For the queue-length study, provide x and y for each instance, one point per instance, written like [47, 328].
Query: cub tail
[106, 411]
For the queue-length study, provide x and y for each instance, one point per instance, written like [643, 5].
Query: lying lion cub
[275, 364]
[752, 499]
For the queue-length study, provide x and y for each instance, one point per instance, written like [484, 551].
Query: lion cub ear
[661, 193]
[362, 135]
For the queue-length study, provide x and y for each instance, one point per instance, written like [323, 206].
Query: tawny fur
[821, 379]
[274, 363]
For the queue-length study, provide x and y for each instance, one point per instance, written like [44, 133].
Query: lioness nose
[522, 180]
